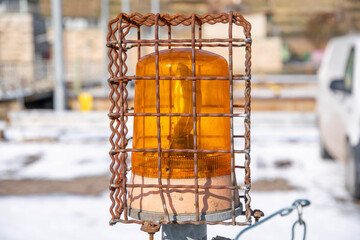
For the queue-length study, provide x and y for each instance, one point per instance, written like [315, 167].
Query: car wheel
[353, 170]
[324, 152]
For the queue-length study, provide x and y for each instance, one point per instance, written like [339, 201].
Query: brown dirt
[83, 186]
[95, 185]
[277, 184]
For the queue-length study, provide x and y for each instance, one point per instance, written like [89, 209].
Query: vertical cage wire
[118, 44]
[196, 180]
[233, 181]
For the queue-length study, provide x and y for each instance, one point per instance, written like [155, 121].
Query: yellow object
[86, 101]
[212, 96]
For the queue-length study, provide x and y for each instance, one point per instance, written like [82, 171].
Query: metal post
[20, 95]
[180, 231]
[183, 232]
[59, 88]
[24, 6]
[125, 6]
[104, 22]
[155, 6]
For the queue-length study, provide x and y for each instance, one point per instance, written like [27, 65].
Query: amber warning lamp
[189, 134]
[184, 162]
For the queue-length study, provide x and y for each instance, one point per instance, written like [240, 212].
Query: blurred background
[54, 165]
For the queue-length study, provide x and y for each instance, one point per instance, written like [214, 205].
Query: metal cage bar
[129, 78]
[231, 119]
[158, 117]
[193, 60]
[119, 111]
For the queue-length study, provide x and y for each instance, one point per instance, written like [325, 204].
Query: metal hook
[300, 210]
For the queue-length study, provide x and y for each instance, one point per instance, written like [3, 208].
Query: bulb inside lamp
[177, 133]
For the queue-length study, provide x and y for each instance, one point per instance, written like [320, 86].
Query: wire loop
[293, 229]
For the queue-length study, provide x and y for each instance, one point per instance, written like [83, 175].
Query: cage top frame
[124, 23]
[119, 111]
[164, 19]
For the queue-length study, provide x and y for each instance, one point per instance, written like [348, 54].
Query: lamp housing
[184, 163]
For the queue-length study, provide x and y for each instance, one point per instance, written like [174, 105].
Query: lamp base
[204, 216]
[214, 204]
[184, 232]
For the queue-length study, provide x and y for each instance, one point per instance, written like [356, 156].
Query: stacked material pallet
[76, 9]
[16, 51]
[84, 54]
[16, 38]
[292, 16]
[266, 53]
[351, 10]
[84, 45]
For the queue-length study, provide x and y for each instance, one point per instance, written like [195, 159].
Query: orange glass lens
[212, 96]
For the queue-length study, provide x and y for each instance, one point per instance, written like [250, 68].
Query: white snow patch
[288, 137]
[57, 160]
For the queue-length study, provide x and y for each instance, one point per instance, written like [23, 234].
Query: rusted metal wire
[114, 115]
[151, 228]
[231, 84]
[112, 43]
[129, 78]
[114, 221]
[120, 150]
[157, 77]
[193, 60]
[118, 45]
[182, 186]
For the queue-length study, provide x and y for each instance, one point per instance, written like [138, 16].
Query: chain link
[298, 204]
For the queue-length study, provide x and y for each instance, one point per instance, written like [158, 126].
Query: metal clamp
[151, 228]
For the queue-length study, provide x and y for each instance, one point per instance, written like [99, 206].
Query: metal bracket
[151, 228]
[257, 214]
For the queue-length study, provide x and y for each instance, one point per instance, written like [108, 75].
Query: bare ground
[97, 184]
[277, 184]
[84, 186]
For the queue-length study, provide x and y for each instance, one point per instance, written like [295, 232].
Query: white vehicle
[338, 106]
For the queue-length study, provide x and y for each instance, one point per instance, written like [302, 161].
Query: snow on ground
[284, 145]
[56, 160]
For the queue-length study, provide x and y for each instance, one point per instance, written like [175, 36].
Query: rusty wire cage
[119, 43]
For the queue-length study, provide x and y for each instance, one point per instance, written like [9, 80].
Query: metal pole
[24, 6]
[179, 231]
[58, 58]
[183, 232]
[125, 6]
[104, 22]
[155, 6]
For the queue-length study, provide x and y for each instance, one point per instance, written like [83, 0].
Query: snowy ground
[284, 146]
